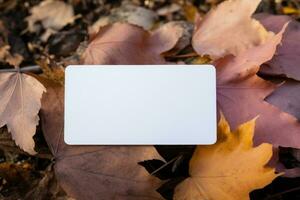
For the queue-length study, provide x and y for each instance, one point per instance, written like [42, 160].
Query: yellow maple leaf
[229, 169]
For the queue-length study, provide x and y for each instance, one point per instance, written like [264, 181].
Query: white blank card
[140, 104]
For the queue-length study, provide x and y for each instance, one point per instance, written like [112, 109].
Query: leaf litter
[43, 41]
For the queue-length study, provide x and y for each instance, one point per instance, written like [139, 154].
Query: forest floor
[23, 176]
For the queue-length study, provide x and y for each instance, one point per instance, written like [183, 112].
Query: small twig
[33, 68]
[164, 165]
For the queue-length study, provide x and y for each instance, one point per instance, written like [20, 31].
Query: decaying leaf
[20, 102]
[95, 172]
[17, 175]
[47, 188]
[122, 43]
[229, 169]
[52, 70]
[53, 15]
[241, 95]
[229, 29]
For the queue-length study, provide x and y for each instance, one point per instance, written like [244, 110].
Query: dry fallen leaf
[229, 169]
[95, 172]
[241, 95]
[285, 63]
[52, 70]
[287, 58]
[122, 43]
[53, 15]
[229, 29]
[47, 188]
[20, 102]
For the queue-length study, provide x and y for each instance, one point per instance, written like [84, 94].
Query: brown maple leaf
[95, 172]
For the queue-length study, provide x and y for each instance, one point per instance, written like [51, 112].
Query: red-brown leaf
[95, 172]
[241, 95]
[286, 61]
